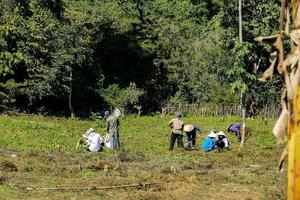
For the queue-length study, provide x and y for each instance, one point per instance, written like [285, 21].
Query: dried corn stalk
[288, 66]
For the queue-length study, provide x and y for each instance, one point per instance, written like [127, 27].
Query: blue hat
[106, 113]
[179, 115]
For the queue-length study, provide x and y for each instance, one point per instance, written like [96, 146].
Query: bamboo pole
[135, 185]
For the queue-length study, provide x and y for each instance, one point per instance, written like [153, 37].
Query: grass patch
[31, 144]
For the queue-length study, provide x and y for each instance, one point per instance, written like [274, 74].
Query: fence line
[218, 110]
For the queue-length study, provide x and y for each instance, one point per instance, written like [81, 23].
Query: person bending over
[236, 129]
[190, 130]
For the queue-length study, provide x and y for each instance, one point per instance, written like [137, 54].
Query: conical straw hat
[188, 127]
[221, 133]
[212, 135]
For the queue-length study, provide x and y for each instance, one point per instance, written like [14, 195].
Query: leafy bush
[125, 98]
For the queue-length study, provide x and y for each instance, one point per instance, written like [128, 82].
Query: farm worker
[106, 114]
[209, 142]
[112, 127]
[176, 126]
[222, 141]
[235, 128]
[190, 130]
[94, 141]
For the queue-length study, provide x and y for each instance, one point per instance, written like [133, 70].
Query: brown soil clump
[7, 166]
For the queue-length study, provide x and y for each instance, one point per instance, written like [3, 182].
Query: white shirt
[225, 142]
[94, 141]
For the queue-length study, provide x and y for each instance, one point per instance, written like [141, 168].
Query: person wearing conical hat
[209, 142]
[190, 130]
[222, 141]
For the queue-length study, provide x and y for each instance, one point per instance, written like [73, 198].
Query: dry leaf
[268, 74]
[280, 128]
[292, 59]
[275, 41]
[295, 36]
[295, 78]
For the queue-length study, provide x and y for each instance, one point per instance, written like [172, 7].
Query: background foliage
[61, 54]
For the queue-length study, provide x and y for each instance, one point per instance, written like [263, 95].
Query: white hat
[88, 133]
[221, 133]
[188, 127]
[91, 130]
[212, 134]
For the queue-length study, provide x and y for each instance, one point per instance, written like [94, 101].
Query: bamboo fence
[218, 110]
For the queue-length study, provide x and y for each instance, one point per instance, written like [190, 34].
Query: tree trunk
[70, 96]
[139, 111]
[240, 21]
[243, 128]
[243, 110]
[163, 112]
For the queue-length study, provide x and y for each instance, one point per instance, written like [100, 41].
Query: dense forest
[82, 56]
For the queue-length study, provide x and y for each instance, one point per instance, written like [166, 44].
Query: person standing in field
[106, 114]
[190, 130]
[176, 126]
[112, 127]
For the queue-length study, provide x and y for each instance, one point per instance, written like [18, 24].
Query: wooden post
[243, 128]
[70, 95]
[294, 151]
[243, 110]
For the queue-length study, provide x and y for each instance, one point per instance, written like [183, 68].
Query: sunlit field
[39, 161]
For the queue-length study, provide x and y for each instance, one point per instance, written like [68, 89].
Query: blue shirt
[235, 128]
[208, 144]
[198, 129]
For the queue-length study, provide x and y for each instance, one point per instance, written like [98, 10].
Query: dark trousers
[175, 137]
[191, 138]
[220, 144]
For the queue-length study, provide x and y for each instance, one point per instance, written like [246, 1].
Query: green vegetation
[79, 57]
[43, 150]
[122, 98]
[66, 56]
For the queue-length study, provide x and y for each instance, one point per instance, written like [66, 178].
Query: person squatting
[215, 140]
[94, 142]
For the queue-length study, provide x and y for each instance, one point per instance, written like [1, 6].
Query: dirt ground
[61, 176]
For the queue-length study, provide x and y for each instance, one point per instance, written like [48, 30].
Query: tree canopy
[62, 56]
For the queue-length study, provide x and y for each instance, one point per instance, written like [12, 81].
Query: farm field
[38, 160]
